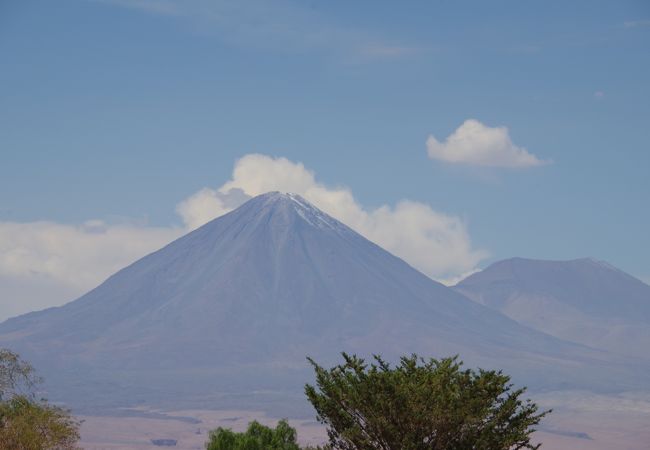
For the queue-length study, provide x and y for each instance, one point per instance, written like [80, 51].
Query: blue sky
[119, 110]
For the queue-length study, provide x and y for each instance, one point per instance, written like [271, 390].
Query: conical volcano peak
[291, 203]
[277, 197]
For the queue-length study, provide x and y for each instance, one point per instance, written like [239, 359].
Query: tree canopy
[421, 404]
[256, 437]
[28, 423]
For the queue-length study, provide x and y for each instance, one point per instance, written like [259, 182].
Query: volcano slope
[225, 316]
[581, 300]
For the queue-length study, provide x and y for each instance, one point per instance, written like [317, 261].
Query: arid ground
[592, 422]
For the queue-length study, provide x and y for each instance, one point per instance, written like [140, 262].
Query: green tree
[29, 425]
[25, 422]
[256, 437]
[421, 404]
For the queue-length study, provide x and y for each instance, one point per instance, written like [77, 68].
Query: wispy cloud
[637, 23]
[387, 51]
[474, 143]
[166, 7]
[279, 25]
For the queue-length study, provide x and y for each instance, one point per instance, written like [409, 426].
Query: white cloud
[454, 280]
[435, 243]
[46, 264]
[599, 95]
[474, 143]
[206, 204]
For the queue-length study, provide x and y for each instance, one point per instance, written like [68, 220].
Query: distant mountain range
[225, 316]
[584, 300]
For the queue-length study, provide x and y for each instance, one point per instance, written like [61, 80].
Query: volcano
[582, 300]
[226, 315]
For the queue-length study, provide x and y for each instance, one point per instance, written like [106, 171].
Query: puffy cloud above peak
[433, 242]
[474, 143]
